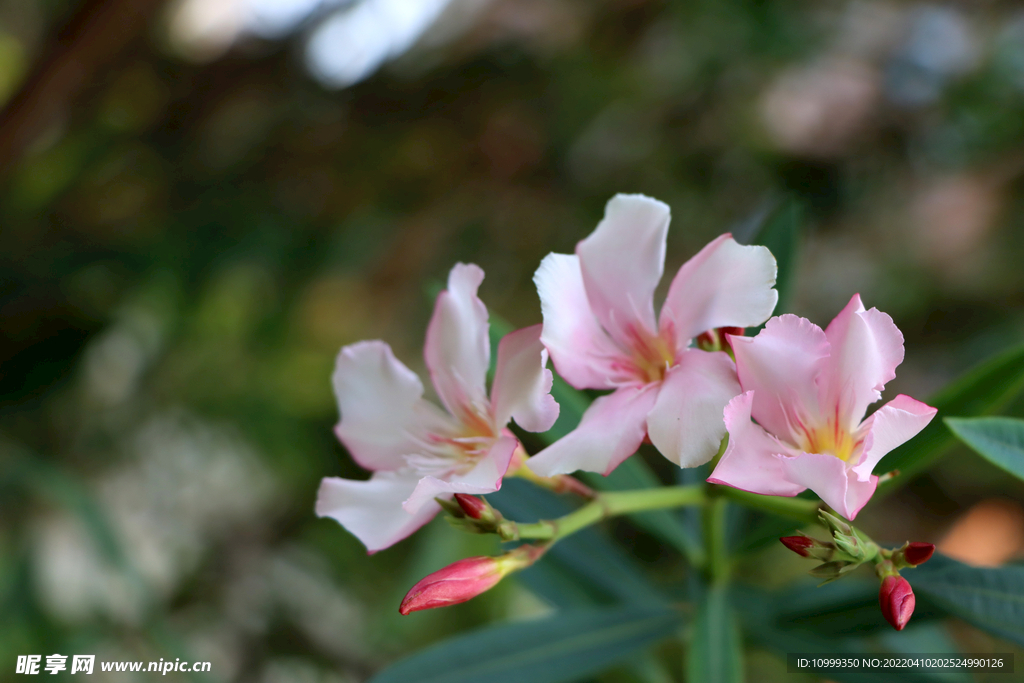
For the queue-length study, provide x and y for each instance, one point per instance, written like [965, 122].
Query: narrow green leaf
[990, 598]
[565, 647]
[667, 525]
[774, 621]
[983, 390]
[780, 232]
[40, 476]
[1000, 440]
[716, 651]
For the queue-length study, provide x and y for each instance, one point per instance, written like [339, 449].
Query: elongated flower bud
[474, 507]
[466, 579]
[799, 544]
[458, 582]
[805, 546]
[897, 601]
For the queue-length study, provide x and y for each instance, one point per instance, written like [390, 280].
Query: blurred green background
[202, 200]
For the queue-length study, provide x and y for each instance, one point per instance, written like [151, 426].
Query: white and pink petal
[724, 285]
[583, 354]
[381, 405]
[372, 510]
[829, 477]
[781, 366]
[457, 349]
[622, 262]
[484, 477]
[751, 461]
[611, 430]
[895, 423]
[866, 346]
[522, 385]
[686, 423]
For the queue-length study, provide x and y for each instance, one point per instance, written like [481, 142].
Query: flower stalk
[603, 506]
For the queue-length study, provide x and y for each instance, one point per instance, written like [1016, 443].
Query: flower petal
[522, 385]
[780, 365]
[686, 422]
[895, 423]
[611, 430]
[866, 347]
[381, 405]
[622, 262]
[372, 510]
[827, 476]
[750, 461]
[458, 349]
[582, 352]
[724, 285]
[485, 477]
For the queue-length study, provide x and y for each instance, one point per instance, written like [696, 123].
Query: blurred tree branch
[96, 34]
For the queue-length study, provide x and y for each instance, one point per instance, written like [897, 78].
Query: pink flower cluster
[793, 401]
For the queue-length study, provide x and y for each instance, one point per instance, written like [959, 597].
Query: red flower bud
[798, 544]
[918, 553]
[716, 339]
[473, 507]
[458, 582]
[897, 601]
[726, 332]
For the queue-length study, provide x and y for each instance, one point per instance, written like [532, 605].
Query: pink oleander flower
[808, 390]
[896, 598]
[601, 331]
[417, 451]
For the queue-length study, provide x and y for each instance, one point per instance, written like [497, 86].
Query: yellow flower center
[653, 355]
[832, 439]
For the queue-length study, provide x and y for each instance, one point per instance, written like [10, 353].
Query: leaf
[716, 653]
[1000, 440]
[984, 389]
[565, 647]
[990, 598]
[772, 620]
[780, 232]
[634, 473]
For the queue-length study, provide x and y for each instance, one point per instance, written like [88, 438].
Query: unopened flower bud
[458, 582]
[451, 507]
[798, 544]
[897, 601]
[849, 544]
[717, 339]
[837, 525]
[474, 507]
[918, 553]
[466, 579]
[805, 546]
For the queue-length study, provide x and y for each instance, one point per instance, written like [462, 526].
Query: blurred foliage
[188, 243]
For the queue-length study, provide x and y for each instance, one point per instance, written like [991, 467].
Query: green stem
[799, 509]
[714, 534]
[604, 505]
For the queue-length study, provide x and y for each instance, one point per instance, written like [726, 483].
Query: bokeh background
[202, 200]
